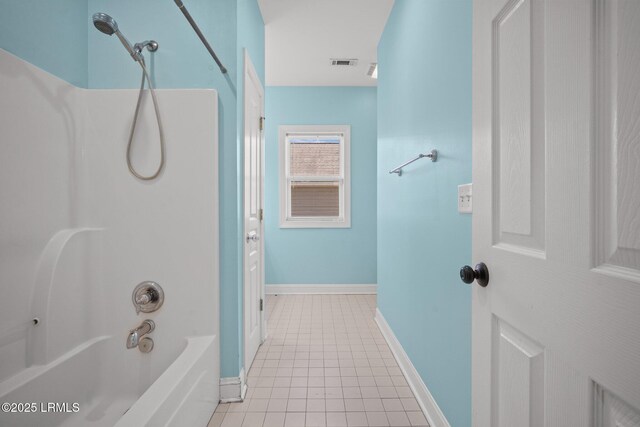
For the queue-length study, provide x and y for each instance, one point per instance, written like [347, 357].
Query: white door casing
[556, 176]
[253, 203]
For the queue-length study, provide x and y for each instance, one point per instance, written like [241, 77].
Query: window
[314, 177]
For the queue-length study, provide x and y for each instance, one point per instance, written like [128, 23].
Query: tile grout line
[324, 363]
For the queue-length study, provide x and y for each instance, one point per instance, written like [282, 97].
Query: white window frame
[344, 219]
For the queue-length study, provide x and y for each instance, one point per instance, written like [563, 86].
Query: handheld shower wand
[107, 25]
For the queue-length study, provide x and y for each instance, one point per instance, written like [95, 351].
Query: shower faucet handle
[147, 297]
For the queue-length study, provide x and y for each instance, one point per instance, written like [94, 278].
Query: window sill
[315, 224]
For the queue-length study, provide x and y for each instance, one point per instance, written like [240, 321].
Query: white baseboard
[321, 289]
[427, 403]
[233, 389]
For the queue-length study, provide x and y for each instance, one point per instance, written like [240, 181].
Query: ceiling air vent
[344, 62]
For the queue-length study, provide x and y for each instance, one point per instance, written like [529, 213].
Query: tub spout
[135, 334]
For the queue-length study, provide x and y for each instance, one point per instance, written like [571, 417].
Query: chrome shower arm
[151, 46]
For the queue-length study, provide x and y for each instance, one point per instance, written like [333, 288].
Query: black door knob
[480, 274]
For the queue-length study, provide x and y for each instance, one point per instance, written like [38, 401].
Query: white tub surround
[78, 232]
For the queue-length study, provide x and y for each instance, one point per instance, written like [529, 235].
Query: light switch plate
[465, 199]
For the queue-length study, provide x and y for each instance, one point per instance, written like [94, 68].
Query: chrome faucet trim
[147, 297]
[145, 328]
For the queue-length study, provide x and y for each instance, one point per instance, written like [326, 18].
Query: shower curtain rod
[199, 33]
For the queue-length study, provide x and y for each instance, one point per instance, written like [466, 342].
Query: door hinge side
[261, 304]
[262, 119]
[260, 214]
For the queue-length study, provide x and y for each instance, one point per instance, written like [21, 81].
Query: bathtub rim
[163, 387]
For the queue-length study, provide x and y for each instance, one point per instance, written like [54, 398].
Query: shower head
[107, 25]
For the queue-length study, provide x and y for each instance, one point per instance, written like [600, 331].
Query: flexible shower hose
[145, 75]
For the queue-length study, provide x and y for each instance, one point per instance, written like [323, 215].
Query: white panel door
[253, 202]
[556, 175]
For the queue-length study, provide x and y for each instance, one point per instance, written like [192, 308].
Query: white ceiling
[302, 35]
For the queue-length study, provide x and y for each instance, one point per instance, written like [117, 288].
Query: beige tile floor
[324, 363]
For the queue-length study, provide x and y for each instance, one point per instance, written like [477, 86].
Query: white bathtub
[110, 385]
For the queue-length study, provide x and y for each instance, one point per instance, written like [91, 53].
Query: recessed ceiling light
[373, 71]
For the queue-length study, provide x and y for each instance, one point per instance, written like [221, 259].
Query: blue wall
[49, 34]
[181, 61]
[311, 256]
[422, 240]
